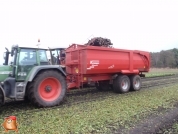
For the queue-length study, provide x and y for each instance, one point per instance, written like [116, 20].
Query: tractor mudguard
[3, 93]
[36, 69]
[9, 87]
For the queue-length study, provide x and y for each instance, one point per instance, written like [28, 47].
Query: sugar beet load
[31, 76]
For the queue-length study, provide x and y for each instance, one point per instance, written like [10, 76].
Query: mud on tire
[47, 89]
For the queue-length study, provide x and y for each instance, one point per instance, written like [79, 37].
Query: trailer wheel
[136, 83]
[121, 84]
[103, 86]
[47, 89]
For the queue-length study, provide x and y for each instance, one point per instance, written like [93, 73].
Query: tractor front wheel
[47, 89]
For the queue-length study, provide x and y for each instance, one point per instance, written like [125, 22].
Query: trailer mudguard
[36, 69]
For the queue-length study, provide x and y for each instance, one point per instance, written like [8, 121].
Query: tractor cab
[20, 60]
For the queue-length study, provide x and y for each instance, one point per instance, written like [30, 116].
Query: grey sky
[149, 25]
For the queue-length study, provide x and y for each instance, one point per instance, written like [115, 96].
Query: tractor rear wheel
[47, 89]
[136, 83]
[121, 84]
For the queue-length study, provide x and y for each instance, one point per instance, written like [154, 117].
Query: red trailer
[106, 67]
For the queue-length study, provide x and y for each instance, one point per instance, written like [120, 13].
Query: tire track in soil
[154, 124]
[159, 77]
[81, 96]
[167, 128]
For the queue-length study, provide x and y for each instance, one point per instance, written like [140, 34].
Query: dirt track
[153, 124]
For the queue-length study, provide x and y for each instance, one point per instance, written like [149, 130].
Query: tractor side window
[43, 56]
[27, 57]
[55, 53]
[55, 56]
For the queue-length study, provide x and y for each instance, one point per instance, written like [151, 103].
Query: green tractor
[27, 74]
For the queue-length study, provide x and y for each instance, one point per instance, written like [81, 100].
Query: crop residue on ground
[97, 116]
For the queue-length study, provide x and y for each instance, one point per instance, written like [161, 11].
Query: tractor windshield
[27, 57]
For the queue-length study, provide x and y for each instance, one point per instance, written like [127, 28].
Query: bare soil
[157, 123]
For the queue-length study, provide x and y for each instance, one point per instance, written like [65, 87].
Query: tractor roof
[25, 47]
[33, 48]
[57, 48]
[46, 48]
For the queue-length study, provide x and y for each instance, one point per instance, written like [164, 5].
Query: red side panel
[82, 59]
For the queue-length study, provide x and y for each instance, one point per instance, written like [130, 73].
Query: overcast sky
[150, 25]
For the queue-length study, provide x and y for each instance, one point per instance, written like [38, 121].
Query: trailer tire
[121, 84]
[47, 89]
[135, 82]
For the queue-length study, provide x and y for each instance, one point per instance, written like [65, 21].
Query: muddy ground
[158, 123]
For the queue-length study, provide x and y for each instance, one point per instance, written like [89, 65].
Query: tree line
[164, 58]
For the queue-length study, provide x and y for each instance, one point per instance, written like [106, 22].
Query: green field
[100, 116]
[161, 72]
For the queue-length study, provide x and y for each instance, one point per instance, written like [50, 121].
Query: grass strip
[161, 72]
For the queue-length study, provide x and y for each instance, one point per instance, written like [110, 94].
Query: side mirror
[6, 57]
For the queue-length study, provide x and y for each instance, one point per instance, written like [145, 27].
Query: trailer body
[91, 63]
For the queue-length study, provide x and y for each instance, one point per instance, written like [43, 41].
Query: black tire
[121, 84]
[47, 89]
[102, 86]
[26, 99]
[135, 83]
